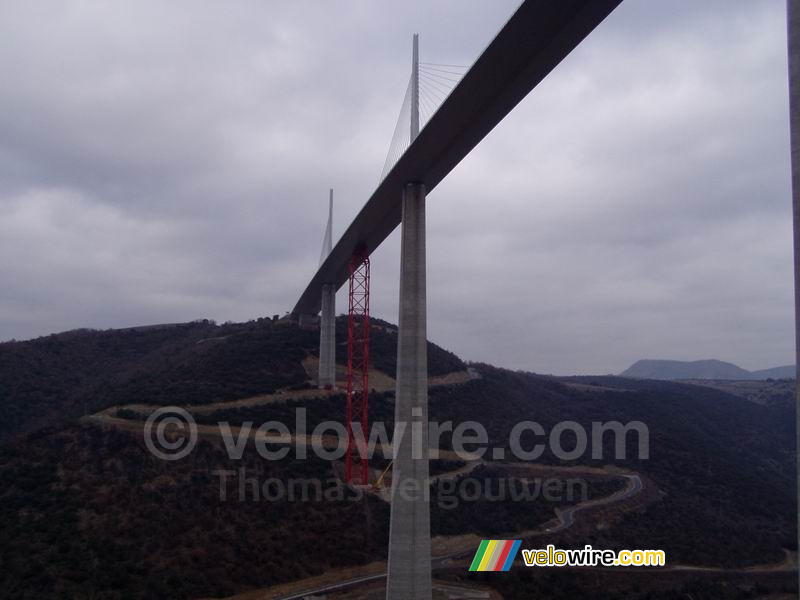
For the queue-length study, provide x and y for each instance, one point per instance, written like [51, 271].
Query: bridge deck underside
[536, 39]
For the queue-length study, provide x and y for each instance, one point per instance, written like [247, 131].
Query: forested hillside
[87, 512]
[63, 376]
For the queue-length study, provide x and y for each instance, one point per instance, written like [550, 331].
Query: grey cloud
[164, 162]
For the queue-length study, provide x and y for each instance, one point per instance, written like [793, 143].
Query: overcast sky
[166, 161]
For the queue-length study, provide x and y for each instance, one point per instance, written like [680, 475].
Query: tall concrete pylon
[793, 36]
[409, 572]
[327, 326]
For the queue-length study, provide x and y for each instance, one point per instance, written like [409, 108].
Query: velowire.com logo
[495, 555]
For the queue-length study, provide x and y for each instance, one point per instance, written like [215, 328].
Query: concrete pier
[327, 338]
[409, 574]
[327, 325]
[793, 35]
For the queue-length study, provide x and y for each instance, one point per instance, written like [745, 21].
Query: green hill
[88, 512]
[63, 376]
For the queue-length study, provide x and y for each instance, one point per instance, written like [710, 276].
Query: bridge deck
[539, 35]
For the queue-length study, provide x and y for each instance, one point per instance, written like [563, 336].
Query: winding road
[464, 545]
[565, 518]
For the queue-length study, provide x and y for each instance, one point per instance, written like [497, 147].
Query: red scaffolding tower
[358, 366]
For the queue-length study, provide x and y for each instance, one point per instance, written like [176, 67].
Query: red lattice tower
[358, 365]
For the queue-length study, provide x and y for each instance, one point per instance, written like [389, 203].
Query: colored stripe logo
[495, 555]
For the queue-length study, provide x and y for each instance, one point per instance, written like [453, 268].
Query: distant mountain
[786, 372]
[702, 369]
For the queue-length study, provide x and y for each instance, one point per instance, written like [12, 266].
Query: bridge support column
[793, 31]
[327, 338]
[409, 573]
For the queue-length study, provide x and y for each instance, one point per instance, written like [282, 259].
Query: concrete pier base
[327, 338]
[409, 573]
